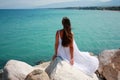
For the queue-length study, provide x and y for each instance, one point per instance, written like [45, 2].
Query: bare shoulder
[61, 32]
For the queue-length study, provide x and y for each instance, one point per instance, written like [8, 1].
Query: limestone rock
[42, 66]
[16, 70]
[110, 64]
[61, 70]
[37, 75]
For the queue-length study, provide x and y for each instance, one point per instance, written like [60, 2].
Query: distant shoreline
[112, 8]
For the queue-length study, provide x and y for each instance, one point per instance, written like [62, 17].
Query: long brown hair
[67, 35]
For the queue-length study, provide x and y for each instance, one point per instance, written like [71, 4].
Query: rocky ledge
[109, 69]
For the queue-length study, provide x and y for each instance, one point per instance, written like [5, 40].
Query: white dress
[82, 60]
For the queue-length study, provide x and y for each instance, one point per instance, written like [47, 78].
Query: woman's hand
[71, 61]
[54, 56]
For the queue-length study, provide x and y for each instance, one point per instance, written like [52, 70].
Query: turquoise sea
[29, 35]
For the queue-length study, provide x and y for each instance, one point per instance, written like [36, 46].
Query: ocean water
[29, 35]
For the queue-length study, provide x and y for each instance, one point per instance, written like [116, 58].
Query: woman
[66, 48]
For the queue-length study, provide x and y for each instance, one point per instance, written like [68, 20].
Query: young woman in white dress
[66, 48]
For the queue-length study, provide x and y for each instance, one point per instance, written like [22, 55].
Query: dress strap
[59, 34]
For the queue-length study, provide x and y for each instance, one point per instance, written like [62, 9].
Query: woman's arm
[56, 45]
[71, 53]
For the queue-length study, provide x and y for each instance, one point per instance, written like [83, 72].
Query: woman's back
[64, 52]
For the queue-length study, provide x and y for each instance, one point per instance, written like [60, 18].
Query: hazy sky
[34, 3]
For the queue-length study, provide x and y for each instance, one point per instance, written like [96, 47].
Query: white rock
[42, 66]
[16, 70]
[61, 70]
